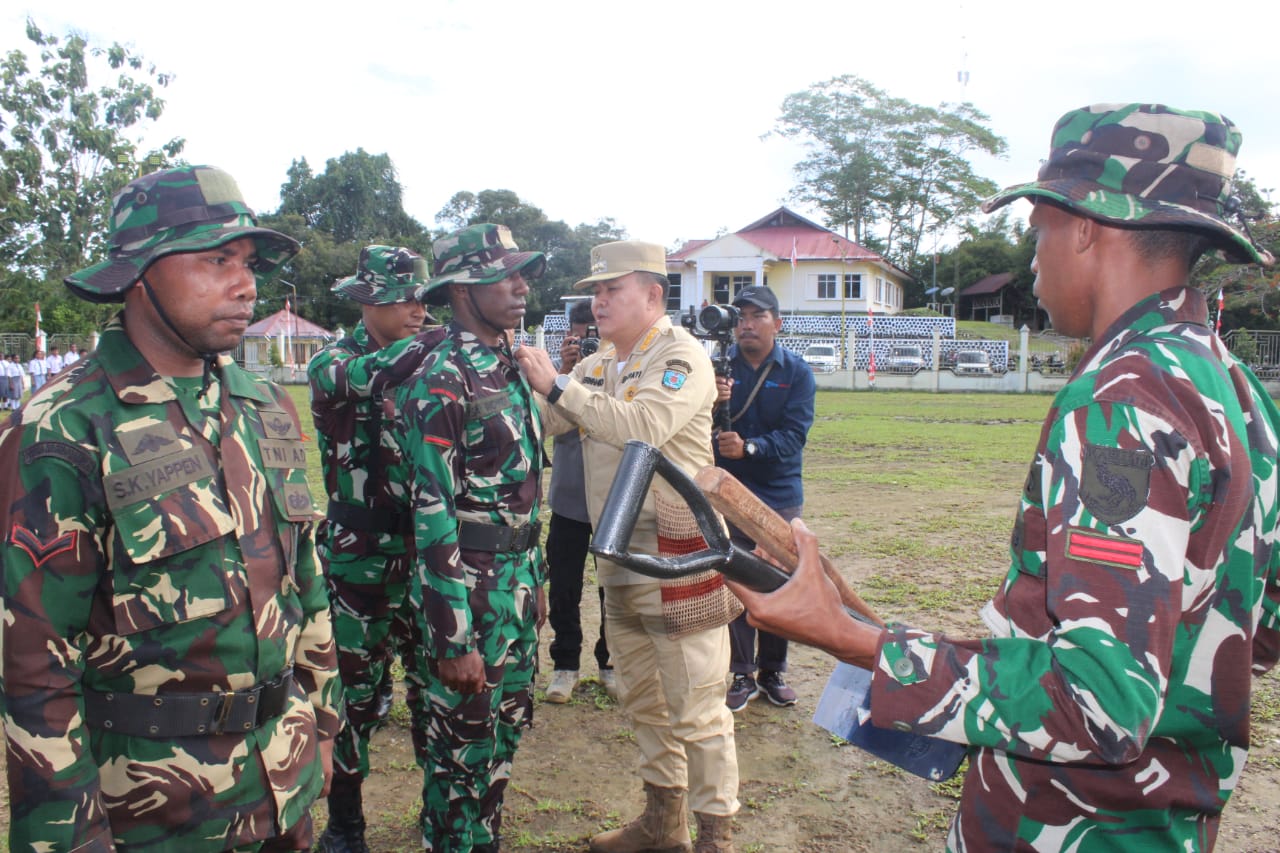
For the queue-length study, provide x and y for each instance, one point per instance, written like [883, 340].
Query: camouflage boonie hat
[1144, 166]
[187, 209]
[386, 275]
[479, 254]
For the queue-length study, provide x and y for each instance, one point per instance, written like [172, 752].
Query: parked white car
[821, 358]
[973, 361]
[904, 358]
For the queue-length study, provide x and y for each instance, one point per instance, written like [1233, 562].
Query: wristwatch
[557, 388]
[750, 448]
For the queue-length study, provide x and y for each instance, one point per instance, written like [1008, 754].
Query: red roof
[289, 323]
[989, 284]
[683, 252]
[777, 232]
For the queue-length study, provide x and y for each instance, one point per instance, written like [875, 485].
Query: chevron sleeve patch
[38, 549]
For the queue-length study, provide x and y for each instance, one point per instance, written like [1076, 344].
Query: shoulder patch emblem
[1114, 483]
[674, 379]
[76, 457]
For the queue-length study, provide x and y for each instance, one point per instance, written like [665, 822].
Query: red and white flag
[871, 334]
[38, 317]
[793, 256]
[1217, 326]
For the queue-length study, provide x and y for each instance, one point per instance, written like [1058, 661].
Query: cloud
[650, 113]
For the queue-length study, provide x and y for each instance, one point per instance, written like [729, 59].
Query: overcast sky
[650, 113]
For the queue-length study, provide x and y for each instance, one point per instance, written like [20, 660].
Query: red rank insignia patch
[1097, 548]
[38, 550]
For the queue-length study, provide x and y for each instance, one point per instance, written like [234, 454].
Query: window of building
[827, 286]
[673, 293]
[853, 285]
[720, 289]
[741, 281]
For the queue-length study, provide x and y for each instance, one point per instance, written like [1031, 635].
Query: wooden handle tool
[750, 515]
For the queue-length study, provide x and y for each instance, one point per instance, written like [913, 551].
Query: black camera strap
[754, 391]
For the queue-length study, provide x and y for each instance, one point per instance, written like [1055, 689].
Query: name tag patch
[155, 477]
[278, 453]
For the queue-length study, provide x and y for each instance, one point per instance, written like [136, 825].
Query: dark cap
[759, 296]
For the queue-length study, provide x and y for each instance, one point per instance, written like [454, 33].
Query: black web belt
[478, 536]
[357, 517]
[168, 715]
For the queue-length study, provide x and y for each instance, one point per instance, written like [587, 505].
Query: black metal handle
[640, 461]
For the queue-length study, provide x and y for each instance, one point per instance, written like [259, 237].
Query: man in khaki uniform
[652, 381]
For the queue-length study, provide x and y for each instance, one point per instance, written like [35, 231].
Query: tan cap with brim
[613, 260]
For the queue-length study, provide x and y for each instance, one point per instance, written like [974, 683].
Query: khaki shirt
[662, 395]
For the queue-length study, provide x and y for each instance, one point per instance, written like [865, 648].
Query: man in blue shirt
[770, 397]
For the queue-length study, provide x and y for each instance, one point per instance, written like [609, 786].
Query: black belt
[169, 715]
[366, 519]
[478, 536]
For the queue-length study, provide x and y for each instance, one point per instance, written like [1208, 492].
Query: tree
[1248, 289]
[890, 170]
[67, 148]
[568, 250]
[356, 201]
[357, 197]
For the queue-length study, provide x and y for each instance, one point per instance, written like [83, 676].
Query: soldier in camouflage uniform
[1109, 710]
[472, 440]
[170, 678]
[366, 539]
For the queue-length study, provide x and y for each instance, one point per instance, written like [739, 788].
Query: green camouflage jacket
[1110, 708]
[472, 438]
[360, 458]
[158, 545]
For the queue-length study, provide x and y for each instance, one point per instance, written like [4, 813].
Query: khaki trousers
[673, 690]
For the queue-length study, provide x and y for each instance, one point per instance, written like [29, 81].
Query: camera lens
[588, 346]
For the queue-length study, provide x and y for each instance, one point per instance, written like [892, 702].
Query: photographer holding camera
[764, 409]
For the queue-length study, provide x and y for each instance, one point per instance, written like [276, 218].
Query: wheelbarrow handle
[612, 537]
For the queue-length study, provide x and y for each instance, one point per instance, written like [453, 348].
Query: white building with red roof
[811, 269]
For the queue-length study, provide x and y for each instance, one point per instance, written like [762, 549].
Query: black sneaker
[776, 690]
[742, 691]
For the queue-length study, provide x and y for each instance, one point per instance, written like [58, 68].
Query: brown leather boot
[715, 833]
[661, 829]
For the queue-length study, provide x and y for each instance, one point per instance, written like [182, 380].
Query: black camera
[719, 320]
[589, 344]
[715, 323]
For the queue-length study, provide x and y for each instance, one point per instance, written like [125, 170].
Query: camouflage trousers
[371, 623]
[297, 837]
[470, 740]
